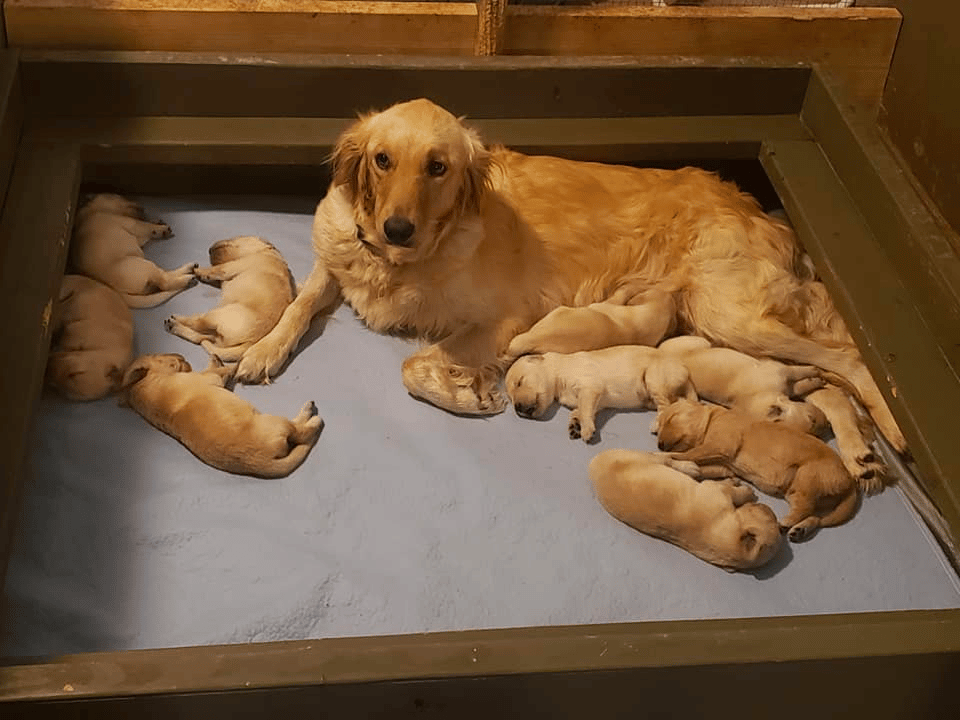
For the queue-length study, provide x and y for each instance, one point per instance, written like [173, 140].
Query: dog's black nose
[525, 410]
[661, 444]
[398, 230]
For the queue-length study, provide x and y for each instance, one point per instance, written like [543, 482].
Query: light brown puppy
[717, 520]
[91, 340]
[222, 429]
[629, 376]
[108, 238]
[777, 459]
[426, 230]
[256, 287]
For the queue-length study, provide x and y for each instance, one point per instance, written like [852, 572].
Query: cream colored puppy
[108, 238]
[777, 459]
[92, 340]
[220, 428]
[256, 288]
[717, 520]
[761, 388]
[628, 376]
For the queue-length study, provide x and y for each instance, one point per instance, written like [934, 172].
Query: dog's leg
[802, 380]
[143, 230]
[582, 423]
[306, 425]
[230, 353]
[711, 471]
[857, 456]
[192, 328]
[738, 492]
[800, 521]
[216, 274]
[460, 373]
[702, 455]
[264, 358]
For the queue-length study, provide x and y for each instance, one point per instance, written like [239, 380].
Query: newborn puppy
[256, 288]
[717, 520]
[92, 340]
[108, 237]
[588, 381]
[760, 388]
[220, 428]
[777, 459]
[598, 326]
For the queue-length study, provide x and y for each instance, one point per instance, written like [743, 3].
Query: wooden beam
[490, 21]
[857, 43]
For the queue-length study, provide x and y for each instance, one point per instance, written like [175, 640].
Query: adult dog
[426, 230]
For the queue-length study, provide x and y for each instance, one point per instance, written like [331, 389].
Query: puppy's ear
[476, 176]
[748, 540]
[134, 374]
[350, 168]
[115, 374]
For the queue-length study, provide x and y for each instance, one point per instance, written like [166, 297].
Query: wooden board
[856, 44]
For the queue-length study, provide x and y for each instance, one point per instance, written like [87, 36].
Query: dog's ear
[476, 175]
[115, 374]
[134, 374]
[349, 163]
[748, 540]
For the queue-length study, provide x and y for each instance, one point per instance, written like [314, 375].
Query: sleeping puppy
[762, 389]
[220, 428]
[629, 376]
[717, 520]
[92, 340]
[777, 459]
[256, 288]
[108, 237]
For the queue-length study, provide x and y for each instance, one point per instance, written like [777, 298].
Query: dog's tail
[843, 511]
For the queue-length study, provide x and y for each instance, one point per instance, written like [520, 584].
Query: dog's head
[531, 386]
[778, 408]
[760, 536]
[413, 171]
[82, 375]
[165, 364]
[237, 247]
[682, 425]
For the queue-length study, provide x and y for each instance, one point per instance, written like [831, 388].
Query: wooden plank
[856, 43]
[11, 115]
[491, 17]
[34, 232]
[912, 372]
[471, 653]
[125, 84]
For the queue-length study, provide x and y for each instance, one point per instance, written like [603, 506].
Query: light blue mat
[403, 518]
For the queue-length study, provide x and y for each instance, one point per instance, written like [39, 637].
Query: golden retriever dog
[775, 458]
[624, 377]
[108, 238]
[426, 230]
[91, 340]
[220, 428]
[719, 521]
[256, 287]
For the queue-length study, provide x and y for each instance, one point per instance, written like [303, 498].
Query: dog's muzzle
[398, 231]
[524, 410]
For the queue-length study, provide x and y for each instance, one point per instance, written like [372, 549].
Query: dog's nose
[398, 230]
[524, 410]
[661, 445]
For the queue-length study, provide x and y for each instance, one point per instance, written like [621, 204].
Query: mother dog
[425, 230]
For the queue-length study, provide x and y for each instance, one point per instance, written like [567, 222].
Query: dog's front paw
[803, 530]
[261, 362]
[161, 232]
[687, 467]
[170, 323]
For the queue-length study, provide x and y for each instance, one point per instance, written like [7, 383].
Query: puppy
[221, 429]
[92, 340]
[629, 376]
[717, 520]
[777, 459]
[108, 237]
[760, 388]
[256, 288]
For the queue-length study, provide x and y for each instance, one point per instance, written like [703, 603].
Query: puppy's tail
[843, 511]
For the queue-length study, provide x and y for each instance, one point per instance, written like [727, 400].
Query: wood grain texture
[857, 44]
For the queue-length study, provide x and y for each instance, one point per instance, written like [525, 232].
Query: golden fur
[108, 237]
[493, 240]
[220, 428]
[92, 340]
[717, 520]
[256, 287]
[777, 459]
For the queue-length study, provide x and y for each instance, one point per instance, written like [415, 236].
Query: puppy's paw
[803, 530]
[687, 467]
[170, 323]
[573, 427]
[162, 231]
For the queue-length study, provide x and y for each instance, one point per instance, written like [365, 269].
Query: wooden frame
[856, 44]
[268, 122]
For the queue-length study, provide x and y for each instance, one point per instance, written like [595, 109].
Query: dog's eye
[382, 160]
[435, 168]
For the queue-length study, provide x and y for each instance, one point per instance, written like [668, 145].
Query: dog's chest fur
[390, 297]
